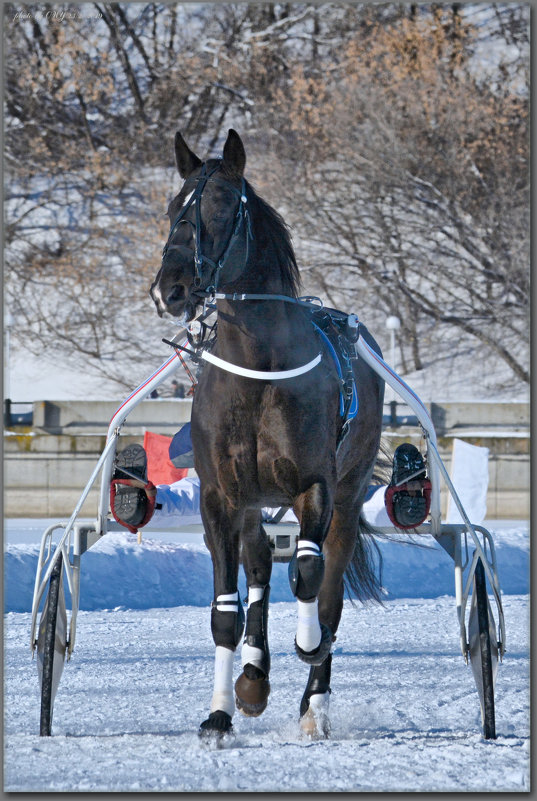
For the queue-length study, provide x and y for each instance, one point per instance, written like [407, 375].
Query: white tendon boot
[223, 698]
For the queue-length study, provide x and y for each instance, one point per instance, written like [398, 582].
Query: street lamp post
[8, 325]
[393, 324]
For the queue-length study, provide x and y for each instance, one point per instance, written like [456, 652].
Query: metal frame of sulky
[78, 537]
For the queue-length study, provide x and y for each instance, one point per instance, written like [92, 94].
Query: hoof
[217, 725]
[251, 695]
[315, 722]
[317, 656]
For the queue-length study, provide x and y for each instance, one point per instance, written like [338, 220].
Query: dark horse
[266, 431]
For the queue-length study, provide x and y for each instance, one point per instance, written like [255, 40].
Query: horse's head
[208, 241]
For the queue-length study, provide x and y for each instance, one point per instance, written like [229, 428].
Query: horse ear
[187, 161]
[234, 153]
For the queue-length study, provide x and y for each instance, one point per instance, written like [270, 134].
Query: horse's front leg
[222, 529]
[252, 687]
[306, 571]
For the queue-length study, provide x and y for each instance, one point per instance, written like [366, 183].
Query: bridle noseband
[201, 287]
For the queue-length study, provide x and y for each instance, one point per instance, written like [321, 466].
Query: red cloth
[159, 468]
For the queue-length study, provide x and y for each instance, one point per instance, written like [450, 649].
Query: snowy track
[405, 712]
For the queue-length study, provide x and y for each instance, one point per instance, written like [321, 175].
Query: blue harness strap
[353, 408]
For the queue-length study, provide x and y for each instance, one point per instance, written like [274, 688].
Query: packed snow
[404, 708]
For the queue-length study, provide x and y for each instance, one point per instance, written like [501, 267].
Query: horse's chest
[251, 441]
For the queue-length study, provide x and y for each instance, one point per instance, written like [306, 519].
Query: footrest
[130, 504]
[408, 496]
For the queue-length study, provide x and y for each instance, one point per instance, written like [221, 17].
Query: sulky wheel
[51, 646]
[483, 650]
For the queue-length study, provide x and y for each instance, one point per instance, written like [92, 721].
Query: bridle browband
[242, 217]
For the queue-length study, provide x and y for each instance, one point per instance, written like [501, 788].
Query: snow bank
[117, 572]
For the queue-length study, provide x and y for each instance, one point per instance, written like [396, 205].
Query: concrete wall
[69, 417]
[47, 465]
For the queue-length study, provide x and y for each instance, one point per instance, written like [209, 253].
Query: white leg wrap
[308, 630]
[223, 681]
[255, 594]
[228, 603]
[316, 723]
[319, 703]
[249, 654]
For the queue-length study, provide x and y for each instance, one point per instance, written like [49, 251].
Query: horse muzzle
[176, 302]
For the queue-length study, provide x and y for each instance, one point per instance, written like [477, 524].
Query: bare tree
[403, 171]
[411, 190]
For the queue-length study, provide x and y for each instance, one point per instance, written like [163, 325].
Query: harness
[261, 375]
[332, 327]
[348, 395]
[339, 332]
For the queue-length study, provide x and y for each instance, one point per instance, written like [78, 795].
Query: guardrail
[18, 414]
[92, 416]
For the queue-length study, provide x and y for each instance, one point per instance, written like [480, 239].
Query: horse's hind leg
[306, 570]
[252, 687]
[338, 550]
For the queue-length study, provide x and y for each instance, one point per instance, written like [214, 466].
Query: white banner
[470, 476]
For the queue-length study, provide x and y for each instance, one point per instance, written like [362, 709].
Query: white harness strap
[262, 375]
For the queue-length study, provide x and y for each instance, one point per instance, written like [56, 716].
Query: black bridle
[242, 218]
[206, 285]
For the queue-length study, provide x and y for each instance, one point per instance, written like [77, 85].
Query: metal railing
[18, 413]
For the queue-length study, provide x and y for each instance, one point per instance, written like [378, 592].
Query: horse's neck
[250, 330]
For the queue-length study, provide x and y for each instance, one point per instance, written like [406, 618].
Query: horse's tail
[363, 576]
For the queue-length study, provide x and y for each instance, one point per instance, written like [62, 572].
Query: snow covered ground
[404, 708]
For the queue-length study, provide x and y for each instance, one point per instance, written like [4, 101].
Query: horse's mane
[265, 219]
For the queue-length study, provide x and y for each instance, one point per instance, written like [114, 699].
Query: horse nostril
[176, 294]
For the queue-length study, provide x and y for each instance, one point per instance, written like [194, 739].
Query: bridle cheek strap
[242, 218]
